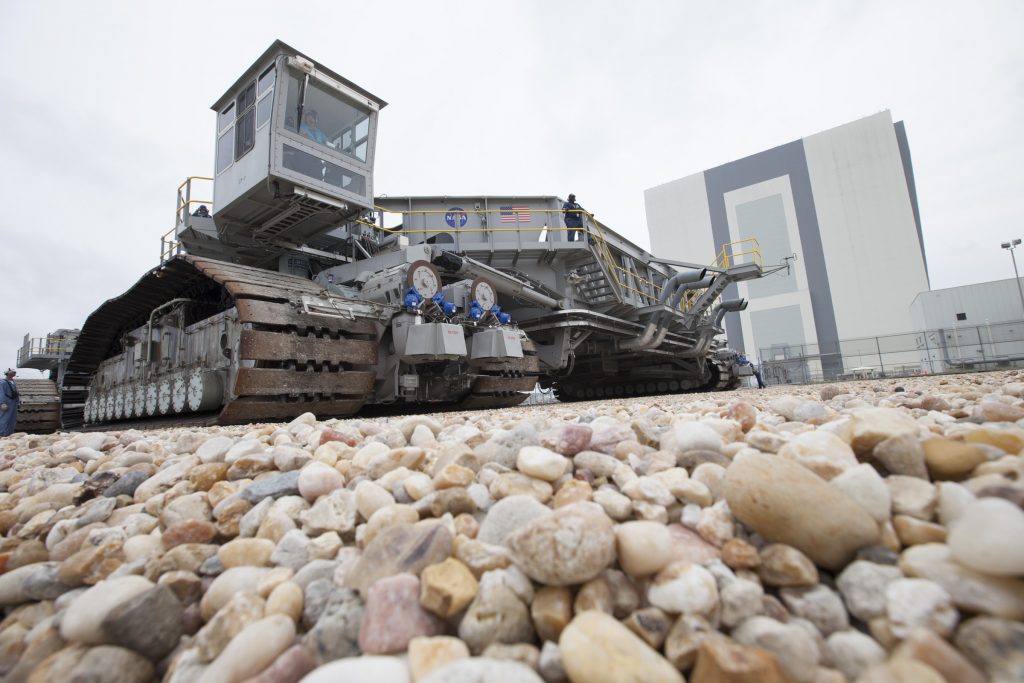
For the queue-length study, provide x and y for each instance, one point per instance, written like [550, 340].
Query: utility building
[843, 201]
[976, 326]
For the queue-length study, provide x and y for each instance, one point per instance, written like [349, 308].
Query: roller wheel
[179, 393]
[151, 399]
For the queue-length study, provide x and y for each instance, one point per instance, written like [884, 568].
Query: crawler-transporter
[301, 291]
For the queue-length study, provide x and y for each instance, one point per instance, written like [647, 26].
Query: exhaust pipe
[639, 343]
[689, 286]
[680, 278]
[665, 316]
[729, 306]
[734, 305]
[647, 339]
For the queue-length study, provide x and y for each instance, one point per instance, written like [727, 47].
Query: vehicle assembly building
[843, 201]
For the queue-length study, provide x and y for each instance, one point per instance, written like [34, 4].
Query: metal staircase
[594, 286]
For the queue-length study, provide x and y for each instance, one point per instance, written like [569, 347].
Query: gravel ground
[867, 531]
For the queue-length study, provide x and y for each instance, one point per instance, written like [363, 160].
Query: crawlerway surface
[866, 531]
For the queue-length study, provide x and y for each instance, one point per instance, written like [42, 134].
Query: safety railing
[733, 253]
[44, 346]
[730, 254]
[646, 291]
[169, 245]
[183, 208]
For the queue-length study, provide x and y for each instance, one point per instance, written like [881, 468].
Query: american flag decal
[515, 214]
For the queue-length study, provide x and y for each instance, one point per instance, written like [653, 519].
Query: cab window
[265, 93]
[225, 137]
[245, 121]
[327, 118]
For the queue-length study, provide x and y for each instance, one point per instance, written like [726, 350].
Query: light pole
[1011, 246]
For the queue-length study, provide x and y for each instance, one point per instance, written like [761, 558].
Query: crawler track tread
[505, 383]
[39, 408]
[292, 361]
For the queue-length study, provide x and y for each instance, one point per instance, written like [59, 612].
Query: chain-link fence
[958, 348]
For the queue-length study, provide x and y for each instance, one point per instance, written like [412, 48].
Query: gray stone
[740, 599]
[334, 512]
[569, 546]
[211, 566]
[106, 663]
[551, 668]
[912, 496]
[313, 571]
[316, 596]
[126, 485]
[509, 515]
[496, 615]
[919, 603]
[996, 646]
[149, 623]
[37, 581]
[406, 548]
[796, 650]
[862, 585]
[286, 484]
[96, 510]
[852, 652]
[819, 605]
[878, 554]
[503, 447]
[335, 614]
[292, 550]
[902, 454]
[251, 520]
[809, 410]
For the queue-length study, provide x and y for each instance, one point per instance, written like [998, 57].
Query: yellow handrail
[185, 201]
[190, 178]
[728, 255]
[168, 245]
[183, 208]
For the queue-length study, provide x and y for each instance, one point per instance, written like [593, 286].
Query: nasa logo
[456, 214]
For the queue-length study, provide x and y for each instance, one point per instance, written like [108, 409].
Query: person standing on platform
[9, 400]
[573, 218]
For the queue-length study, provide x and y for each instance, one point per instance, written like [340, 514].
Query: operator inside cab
[327, 119]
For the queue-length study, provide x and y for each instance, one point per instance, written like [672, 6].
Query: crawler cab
[295, 146]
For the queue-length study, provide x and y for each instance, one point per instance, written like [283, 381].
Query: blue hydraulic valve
[503, 318]
[412, 299]
[476, 311]
[447, 307]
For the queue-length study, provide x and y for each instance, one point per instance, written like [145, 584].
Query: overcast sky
[105, 111]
